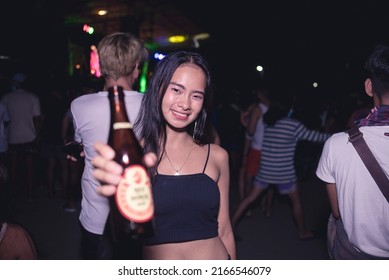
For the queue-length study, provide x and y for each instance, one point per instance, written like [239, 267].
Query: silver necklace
[186, 160]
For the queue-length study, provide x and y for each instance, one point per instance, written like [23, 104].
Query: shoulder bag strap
[356, 138]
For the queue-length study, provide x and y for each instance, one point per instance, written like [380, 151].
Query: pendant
[177, 174]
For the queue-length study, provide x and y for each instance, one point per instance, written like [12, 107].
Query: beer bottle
[132, 207]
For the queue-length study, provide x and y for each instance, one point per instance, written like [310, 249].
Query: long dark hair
[279, 108]
[150, 124]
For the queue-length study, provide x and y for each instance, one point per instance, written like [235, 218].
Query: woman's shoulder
[217, 163]
[218, 152]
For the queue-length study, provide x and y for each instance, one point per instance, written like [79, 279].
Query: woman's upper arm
[224, 185]
[225, 229]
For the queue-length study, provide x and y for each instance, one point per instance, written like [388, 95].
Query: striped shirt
[279, 146]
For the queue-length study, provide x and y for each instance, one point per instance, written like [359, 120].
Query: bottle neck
[125, 82]
[118, 108]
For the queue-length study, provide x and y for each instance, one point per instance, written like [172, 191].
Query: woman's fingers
[107, 178]
[108, 172]
[104, 150]
[106, 190]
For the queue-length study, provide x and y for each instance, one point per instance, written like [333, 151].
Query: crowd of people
[196, 151]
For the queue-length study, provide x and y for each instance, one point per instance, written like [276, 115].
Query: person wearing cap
[24, 113]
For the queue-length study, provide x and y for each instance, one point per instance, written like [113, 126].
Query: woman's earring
[194, 129]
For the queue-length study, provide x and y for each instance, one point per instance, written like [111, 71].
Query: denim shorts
[284, 188]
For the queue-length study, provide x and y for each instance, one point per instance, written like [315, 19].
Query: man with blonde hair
[120, 57]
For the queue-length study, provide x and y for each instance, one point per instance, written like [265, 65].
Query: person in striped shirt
[282, 133]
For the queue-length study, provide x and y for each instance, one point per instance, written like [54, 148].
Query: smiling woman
[190, 181]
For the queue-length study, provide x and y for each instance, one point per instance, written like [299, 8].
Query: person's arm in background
[6, 120]
[249, 120]
[333, 198]
[38, 123]
[66, 123]
[254, 116]
[38, 119]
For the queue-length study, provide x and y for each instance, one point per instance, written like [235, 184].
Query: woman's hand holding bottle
[108, 171]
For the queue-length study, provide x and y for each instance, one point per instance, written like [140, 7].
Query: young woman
[280, 139]
[191, 176]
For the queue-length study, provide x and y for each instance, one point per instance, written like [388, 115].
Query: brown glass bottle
[132, 207]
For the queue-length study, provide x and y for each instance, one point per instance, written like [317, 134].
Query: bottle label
[122, 125]
[133, 196]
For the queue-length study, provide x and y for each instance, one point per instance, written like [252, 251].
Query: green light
[151, 45]
[143, 78]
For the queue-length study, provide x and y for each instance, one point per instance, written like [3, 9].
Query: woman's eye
[198, 96]
[176, 90]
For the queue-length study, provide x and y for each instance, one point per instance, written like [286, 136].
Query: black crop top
[186, 208]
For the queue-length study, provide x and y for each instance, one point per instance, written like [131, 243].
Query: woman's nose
[184, 102]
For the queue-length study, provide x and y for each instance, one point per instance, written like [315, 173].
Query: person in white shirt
[24, 111]
[356, 200]
[121, 55]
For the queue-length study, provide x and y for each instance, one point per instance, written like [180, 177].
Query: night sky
[297, 42]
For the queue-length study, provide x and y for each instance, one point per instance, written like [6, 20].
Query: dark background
[298, 42]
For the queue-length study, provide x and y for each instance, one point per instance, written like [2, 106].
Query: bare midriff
[205, 249]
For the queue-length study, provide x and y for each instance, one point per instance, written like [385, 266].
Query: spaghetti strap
[206, 162]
